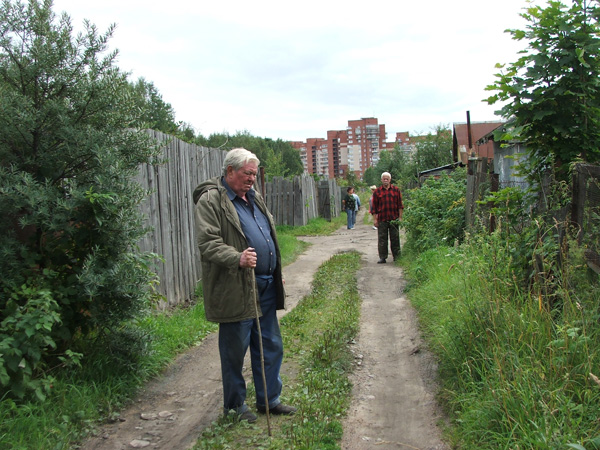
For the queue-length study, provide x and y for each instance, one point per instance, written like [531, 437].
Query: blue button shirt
[255, 226]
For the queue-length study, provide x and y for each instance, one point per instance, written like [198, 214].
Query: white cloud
[294, 70]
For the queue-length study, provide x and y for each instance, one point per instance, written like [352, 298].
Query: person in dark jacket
[387, 211]
[349, 204]
[241, 264]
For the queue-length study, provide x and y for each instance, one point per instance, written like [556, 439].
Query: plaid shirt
[387, 203]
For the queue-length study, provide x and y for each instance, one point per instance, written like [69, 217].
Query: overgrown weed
[517, 361]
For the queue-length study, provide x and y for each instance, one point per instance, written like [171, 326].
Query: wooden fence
[479, 183]
[169, 210]
[584, 209]
[292, 202]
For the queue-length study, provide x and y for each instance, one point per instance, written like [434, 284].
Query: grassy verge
[317, 364]
[517, 373]
[106, 381]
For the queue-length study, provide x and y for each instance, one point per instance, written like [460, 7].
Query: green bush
[435, 213]
[70, 217]
[28, 320]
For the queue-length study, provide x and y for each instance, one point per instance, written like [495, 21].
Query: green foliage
[552, 92]
[351, 179]
[517, 371]
[510, 207]
[392, 162]
[434, 149]
[371, 177]
[316, 226]
[535, 242]
[69, 151]
[153, 112]
[435, 214]
[29, 317]
[278, 157]
[114, 367]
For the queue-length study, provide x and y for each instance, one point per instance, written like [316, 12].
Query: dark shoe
[279, 410]
[381, 261]
[247, 415]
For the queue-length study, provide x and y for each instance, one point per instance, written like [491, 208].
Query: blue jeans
[351, 217]
[234, 340]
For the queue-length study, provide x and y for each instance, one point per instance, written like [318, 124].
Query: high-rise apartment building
[370, 138]
[354, 149]
[337, 142]
[317, 156]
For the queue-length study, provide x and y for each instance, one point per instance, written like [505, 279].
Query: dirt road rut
[393, 404]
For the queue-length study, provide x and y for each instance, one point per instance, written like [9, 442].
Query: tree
[394, 162]
[434, 149]
[431, 151]
[553, 90]
[186, 132]
[278, 157]
[68, 152]
[405, 168]
[371, 177]
[274, 165]
[290, 156]
[154, 112]
[351, 179]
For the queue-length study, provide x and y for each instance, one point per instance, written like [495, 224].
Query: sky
[294, 70]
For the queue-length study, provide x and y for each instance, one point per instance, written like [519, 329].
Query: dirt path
[393, 405]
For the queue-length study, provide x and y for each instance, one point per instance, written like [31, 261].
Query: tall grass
[518, 370]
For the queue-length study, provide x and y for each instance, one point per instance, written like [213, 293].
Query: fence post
[470, 194]
[495, 178]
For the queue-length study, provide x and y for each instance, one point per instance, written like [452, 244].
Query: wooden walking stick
[262, 354]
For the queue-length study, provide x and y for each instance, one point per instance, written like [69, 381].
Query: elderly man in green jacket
[241, 263]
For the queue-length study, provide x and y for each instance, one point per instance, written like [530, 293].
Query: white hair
[386, 174]
[237, 158]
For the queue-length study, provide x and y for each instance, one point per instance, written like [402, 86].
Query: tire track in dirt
[393, 400]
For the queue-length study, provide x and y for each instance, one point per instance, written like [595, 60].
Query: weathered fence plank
[169, 210]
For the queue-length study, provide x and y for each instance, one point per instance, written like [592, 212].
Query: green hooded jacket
[229, 291]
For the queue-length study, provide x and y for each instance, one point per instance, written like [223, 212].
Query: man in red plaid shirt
[387, 210]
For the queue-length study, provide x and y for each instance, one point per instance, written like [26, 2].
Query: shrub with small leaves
[435, 214]
[70, 148]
